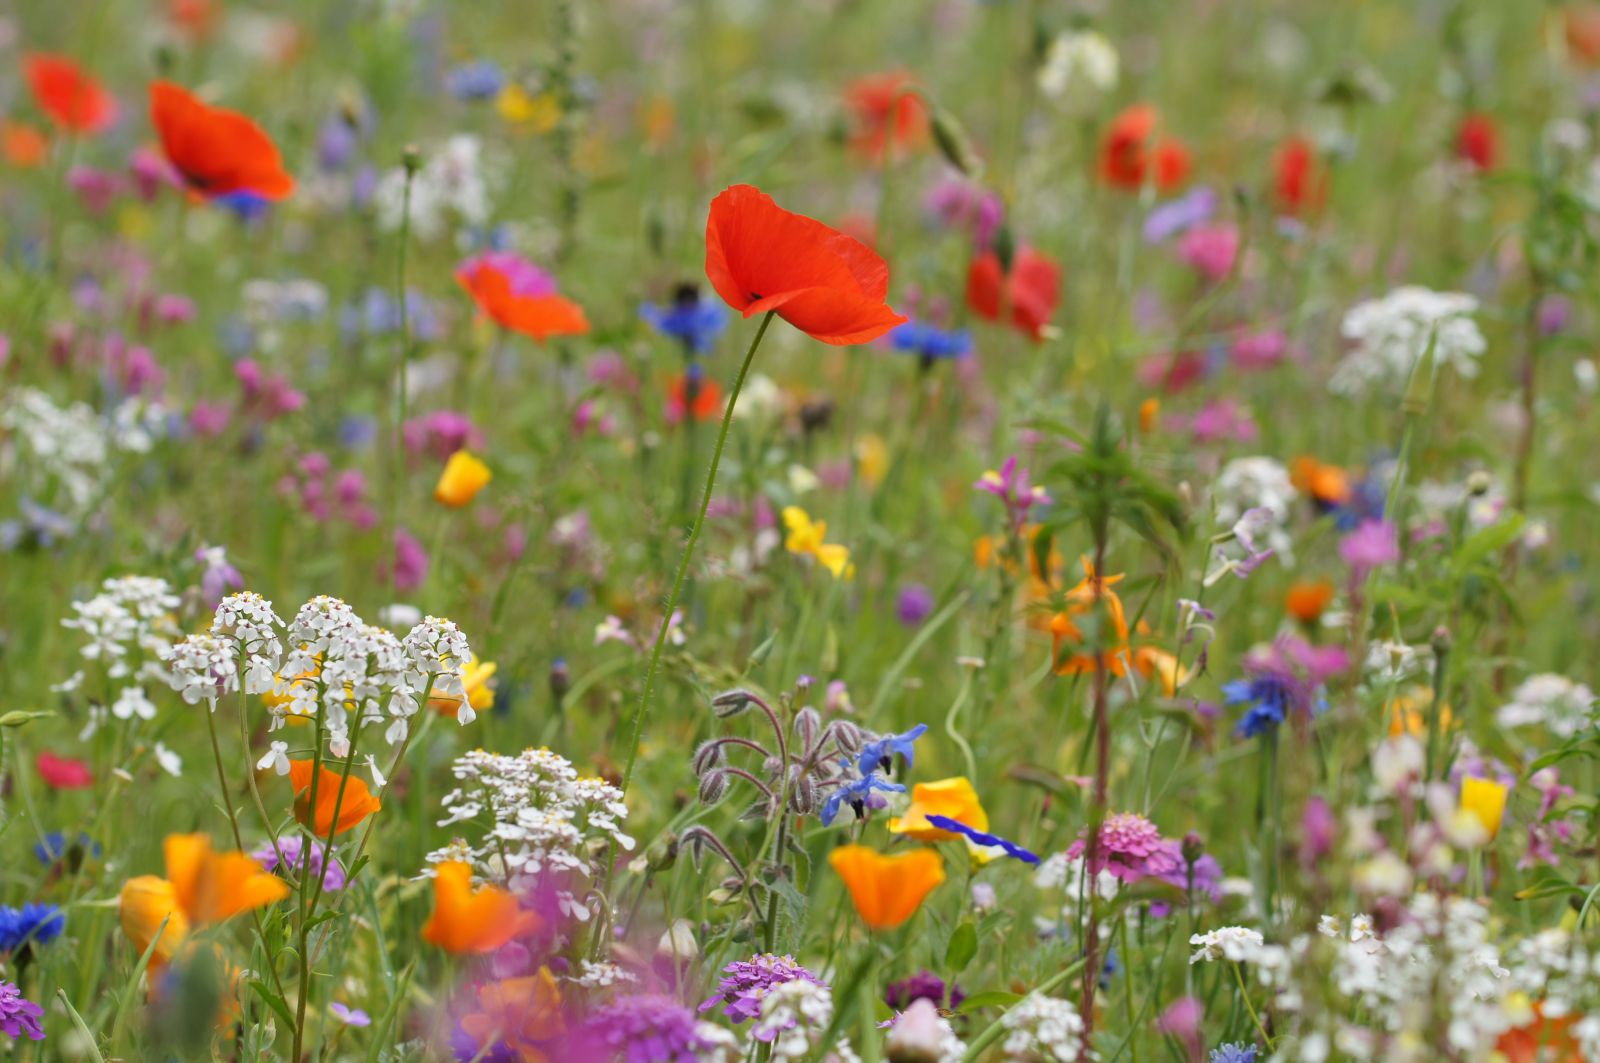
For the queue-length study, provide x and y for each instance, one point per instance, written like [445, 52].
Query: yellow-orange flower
[522, 1013]
[1328, 484]
[1307, 600]
[806, 537]
[887, 890]
[472, 920]
[356, 804]
[463, 477]
[202, 886]
[480, 691]
[1485, 801]
[1071, 647]
[952, 798]
[1163, 666]
[1408, 713]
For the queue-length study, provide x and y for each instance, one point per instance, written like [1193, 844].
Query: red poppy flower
[217, 152]
[1299, 180]
[707, 399]
[760, 257]
[1583, 32]
[71, 98]
[1133, 153]
[886, 115]
[537, 316]
[1478, 141]
[63, 773]
[1031, 290]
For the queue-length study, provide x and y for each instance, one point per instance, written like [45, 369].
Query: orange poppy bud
[463, 477]
[355, 806]
[887, 890]
[472, 920]
[1149, 409]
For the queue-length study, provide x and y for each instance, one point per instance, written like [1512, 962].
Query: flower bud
[560, 678]
[847, 736]
[731, 703]
[803, 796]
[411, 158]
[806, 724]
[678, 942]
[713, 787]
[709, 755]
[663, 854]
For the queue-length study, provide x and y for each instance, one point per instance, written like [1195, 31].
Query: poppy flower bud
[1194, 847]
[954, 145]
[463, 477]
[1441, 641]
[560, 678]
[709, 755]
[731, 703]
[713, 787]
[411, 158]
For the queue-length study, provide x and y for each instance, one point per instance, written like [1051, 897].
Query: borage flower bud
[848, 737]
[806, 723]
[713, 787]
[731, 703]
[709, 755]
[803, 795]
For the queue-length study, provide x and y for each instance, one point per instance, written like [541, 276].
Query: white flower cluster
[794, 1016]
[1561, 706]
[1080, 65]
[1390, 335]
[125, 629]
[453, 186]
[542, 817]
[1043, 1029]
[1239, 944]
[69, 446]
[327, 662]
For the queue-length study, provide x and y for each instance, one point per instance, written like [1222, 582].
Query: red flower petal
[217, 152]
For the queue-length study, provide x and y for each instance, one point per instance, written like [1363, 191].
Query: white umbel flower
[1043, 1029]
[1388, 336]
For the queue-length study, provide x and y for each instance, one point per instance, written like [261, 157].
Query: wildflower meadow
[738, 531]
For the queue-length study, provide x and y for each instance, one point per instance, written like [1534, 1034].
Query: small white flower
[170, 762]
[276, 758]
[1237, 943]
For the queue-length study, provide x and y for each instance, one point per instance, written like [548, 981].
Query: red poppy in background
[63, 773]
[1478, 141]
[1582, 23]
[1133, 152]
[707, 399]
[73, 100]
[537, 316]
[1300, 181]
[886, 114]
[217, 152]
[760, 257]
[1031, 290]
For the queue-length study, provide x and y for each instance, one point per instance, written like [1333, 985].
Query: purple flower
[1318, 829]
[291, 847]
[19, 1016]
[1185, 212]
[957, 203]
[219, 577]
[924, 985]
[913, 605]
[410, 561]
[978, 837]
[641, 1029]
[350, 1016]
[1012, 486]
[745, 982]
[1372, 545]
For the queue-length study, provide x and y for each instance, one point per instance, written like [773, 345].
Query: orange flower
[201, 887]
[1300, 182]
[1542, 1040]
[73, 100]
[478, 684]
[760, 257]
[24, 145]
[1307, 600]
[472, 920]
[536, 316]
[356, 805]
[1149, 661]
[887, 890]
[1070, 646]
[1132, 152]
[216, 151]
[1328, 484]
[707, 403]
[463, 476]
[522, 1013]
[888, 115]
[1149, 410]
[952, 798]
[1029, 291]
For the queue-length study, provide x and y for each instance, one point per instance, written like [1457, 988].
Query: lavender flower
[291, 846]
[1372, 545]
[19, 1016]
[647, 1029]
[746, 982]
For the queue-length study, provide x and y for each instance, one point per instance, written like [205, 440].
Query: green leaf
[963, 946]
[273, 1001]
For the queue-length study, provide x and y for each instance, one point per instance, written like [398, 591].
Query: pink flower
[1210, 249]
[1260, 350]
[1372, 545]
[410, 562]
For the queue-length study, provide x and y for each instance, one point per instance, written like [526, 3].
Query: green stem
[398, 461]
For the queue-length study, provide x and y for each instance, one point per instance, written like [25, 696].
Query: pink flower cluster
[325, 494]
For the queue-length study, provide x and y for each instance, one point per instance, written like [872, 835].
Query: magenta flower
[1210, 250]
[1015, 491]
[1372, 545]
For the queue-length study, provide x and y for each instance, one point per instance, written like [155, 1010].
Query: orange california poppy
[1155, 663]
[216, 151]
[472, 920]
[1070, 648]
[536, 316]
[1132, 152]
[1031, 290]
[356, 805]
[760, 257]
[24, 146]
[1328, 484]
[952, 798]
[1307, 600]
[1541, 1040]
[1478, 142]
[707, 403]
[202, 886]
[523, 1014]
[1300, 181]
[886, 115]
[887, 890]
[73, 100]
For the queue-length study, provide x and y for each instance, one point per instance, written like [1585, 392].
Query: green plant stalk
[398, 460]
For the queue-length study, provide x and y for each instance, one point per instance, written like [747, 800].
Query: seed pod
[954, 144]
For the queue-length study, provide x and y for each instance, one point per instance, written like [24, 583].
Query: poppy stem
[683, 573]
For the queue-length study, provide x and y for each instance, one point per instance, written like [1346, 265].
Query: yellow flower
[887, 890]
[1485, 801]
[952, 798]
[1164, 666]
[463, 477]
[806, 537]
[541, 112]
[872, 458]
[480, 691]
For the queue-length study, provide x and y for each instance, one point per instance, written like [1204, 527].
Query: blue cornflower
[480, 79]
[694, 321]
[955, 826]
[36, 923]
[55, 846]
[38, 527]
[1112, 968]
[247, 206]
[1268, 698]
[882, 751]
[930, 342]
[856, 793]
[1237, 1052]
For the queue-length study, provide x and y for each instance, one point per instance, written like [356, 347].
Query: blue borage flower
[978, 837]
[694, 321]
[55, 845]
[32, 923]
[931, 343]
[856, 793]
[1236, 1052]
[882, 751]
